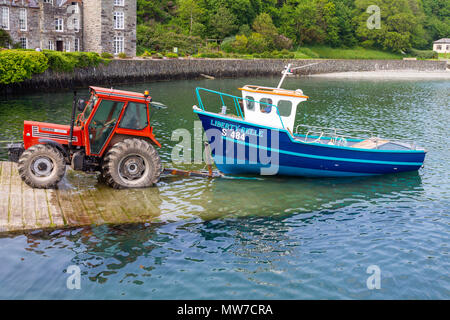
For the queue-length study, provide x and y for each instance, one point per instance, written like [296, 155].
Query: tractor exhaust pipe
[72, 121]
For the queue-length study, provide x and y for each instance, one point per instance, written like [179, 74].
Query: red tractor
[112, 135]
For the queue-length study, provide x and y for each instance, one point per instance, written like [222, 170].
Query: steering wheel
[110, 122]
[102, 123]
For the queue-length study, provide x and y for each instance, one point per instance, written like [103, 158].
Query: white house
[442, 45]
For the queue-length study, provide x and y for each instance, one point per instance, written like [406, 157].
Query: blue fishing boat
[261, 137]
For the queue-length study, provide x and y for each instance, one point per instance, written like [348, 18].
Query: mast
[287, 70]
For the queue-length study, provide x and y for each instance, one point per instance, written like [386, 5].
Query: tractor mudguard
[57, 145]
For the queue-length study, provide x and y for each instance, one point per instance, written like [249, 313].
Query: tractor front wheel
[132, 163]
[42, 166]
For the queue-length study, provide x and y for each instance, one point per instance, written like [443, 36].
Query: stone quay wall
[141, 70]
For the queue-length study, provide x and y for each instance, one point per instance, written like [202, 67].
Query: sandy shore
[389, 74]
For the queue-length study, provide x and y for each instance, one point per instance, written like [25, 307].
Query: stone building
[72, 25]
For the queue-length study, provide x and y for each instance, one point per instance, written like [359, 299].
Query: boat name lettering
[237, 128]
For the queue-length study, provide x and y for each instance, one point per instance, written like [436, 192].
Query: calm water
[274, 238]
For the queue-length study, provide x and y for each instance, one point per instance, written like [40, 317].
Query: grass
[324, 52]
[317, 52]
[444, 55]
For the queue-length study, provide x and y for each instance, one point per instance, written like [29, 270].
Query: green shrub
[227, 44]
[157, 56]
[107, 55]
[122, 55]
[68, 61]
[424, 54]
[282, 42]
[146, 54]
[266, 55]
[257, 43]
[211, 54]
[239, 45]
[17, 65]
[171, 55]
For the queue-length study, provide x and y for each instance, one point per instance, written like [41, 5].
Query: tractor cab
[111, 112]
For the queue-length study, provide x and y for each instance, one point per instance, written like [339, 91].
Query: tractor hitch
[189, 173]
[15, 150]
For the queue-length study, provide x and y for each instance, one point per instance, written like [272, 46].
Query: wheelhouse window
[59, 24]
[250, 105]
[118, 45]
[23, 19]
[284, 108]
[118, 20]
[135, 116]
[265, 105]
[4, 18]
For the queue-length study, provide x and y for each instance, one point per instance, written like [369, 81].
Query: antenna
[287, 70]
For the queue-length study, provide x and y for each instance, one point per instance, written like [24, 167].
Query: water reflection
[252, 226]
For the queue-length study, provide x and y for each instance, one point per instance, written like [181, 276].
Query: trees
[189, 13]
[401, 24]
[223, 23]
[437, 19]
[278, 24]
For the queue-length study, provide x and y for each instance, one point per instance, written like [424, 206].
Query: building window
[76, 25]
[448, 47]
[59, 24]
[67, 49]
[23, 19]
[4, 18]
[118, 45]
[23, 43]
[438, 47]
[51, 45]
[48, 1]
[76, 45]
[119, 3]
[74, 7]
[118, 20]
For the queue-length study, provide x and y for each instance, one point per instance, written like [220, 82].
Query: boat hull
[239, 147]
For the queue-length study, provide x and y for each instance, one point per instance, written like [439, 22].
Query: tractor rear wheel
[132, 163]
[42, 166]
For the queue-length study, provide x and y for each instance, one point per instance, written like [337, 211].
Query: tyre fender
[57, 145]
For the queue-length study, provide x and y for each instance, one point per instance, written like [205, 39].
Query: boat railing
[236, 101]
[339, 134]
[340, 137]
